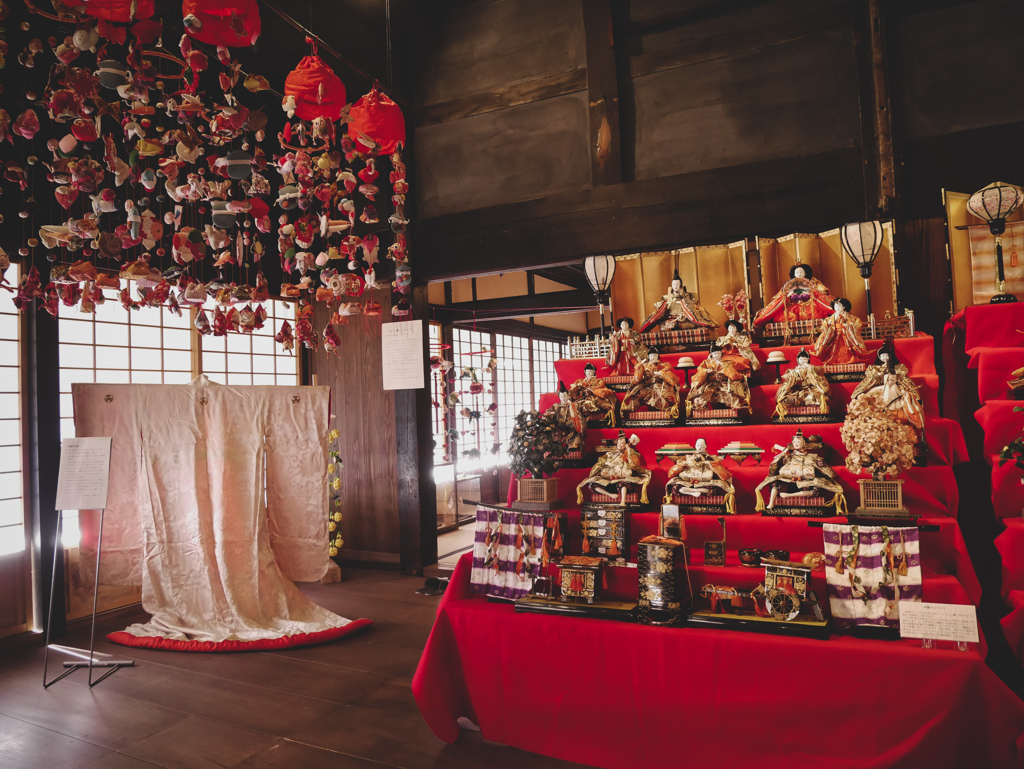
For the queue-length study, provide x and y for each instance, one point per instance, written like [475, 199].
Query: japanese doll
[616, 470]
[592, 397]
[890, 381]
[717, 383]
[796, 472]
[626, 349]
[654, 385]
[802, 297]
[700, 474]
[677, 309]
[839, 341]
[571, 423]
[803, 385]
[736, 348]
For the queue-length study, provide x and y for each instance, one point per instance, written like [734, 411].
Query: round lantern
[222, 22]
[375, 117]
[112, 74]
[239, 164]
[317, 91]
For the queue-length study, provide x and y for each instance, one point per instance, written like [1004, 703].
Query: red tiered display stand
[981, 347]
[710, 697]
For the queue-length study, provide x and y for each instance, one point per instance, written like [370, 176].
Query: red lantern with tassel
[231, 23]
[376, 124]
[314, 88]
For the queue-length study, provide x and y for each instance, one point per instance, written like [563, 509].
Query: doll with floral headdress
[797, 473]
[617, 470]
[802, 297]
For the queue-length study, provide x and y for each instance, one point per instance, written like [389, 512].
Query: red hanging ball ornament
[375, 117]
[231, 23]
[315, 89]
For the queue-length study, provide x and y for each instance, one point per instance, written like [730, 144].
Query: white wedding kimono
[217, 500]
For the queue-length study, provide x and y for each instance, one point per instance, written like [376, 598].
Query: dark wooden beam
[553, 303]
[417, 502]
[602, 93]
[776, 197]
[809, 20]
[518, 328]
[491, 101]
[712, 9]
[881, 112]
[571, 275]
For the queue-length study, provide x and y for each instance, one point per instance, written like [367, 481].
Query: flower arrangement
[532, 447]
[877, 442]
[1014, 451]
[334, 467]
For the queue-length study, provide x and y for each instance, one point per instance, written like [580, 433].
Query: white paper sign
[938, 621]
[402, 347]
[84, 471]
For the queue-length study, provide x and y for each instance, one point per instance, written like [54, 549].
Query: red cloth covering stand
[613, 694]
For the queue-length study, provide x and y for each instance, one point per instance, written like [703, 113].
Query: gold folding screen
[708, 271]
[711, 271]
[974, 277]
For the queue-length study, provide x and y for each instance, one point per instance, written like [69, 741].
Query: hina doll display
[802, 297]
[839, 341]
[717, 383]
[616, 471]
[803, 386]
[889, 379]
[736, 348]
[796, 474]
[571, 423]
[626, 349]
[699, 474]
[592, 397]
[678, 309]
[654, 385]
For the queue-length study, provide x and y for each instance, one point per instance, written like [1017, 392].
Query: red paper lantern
[118, 10]
[317, 91]
[376, 117]
[222, 22]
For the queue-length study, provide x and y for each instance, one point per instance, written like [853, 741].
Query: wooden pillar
[43, 413]
[876, 112]
[417, 502]
[602, 93]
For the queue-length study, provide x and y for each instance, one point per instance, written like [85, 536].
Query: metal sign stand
[91, 662]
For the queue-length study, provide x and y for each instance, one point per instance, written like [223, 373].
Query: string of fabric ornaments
[152, 165]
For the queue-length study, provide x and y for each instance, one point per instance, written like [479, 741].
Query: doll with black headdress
[889, 380]
[717, 383]
[802, 386]
[570, 424]
[802, 297]
[735, 346]
[839, 341]
[677, 309]
[626, 349]
[592, 397]
[654, 385]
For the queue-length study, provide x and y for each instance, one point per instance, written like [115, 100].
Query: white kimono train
[217, 500]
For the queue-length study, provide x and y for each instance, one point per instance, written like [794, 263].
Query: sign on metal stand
[81, 485]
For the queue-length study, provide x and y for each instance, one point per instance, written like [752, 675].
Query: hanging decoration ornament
[312, 90]
[228, 23]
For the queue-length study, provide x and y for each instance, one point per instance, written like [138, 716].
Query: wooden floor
[345, 705]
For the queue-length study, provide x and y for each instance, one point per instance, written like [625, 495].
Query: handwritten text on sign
[84, 470]
[938, 621]
[402, 348]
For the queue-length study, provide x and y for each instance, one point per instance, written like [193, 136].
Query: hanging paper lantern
[118, 10]
[376, 124]
[222, 22]
[315, 90]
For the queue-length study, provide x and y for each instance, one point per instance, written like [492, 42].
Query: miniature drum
[662, 599]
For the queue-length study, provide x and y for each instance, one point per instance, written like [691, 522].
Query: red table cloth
[613, 694]
[1001, 424]
[995, 367]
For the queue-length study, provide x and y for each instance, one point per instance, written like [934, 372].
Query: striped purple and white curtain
[870, 569]
[506, 552]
